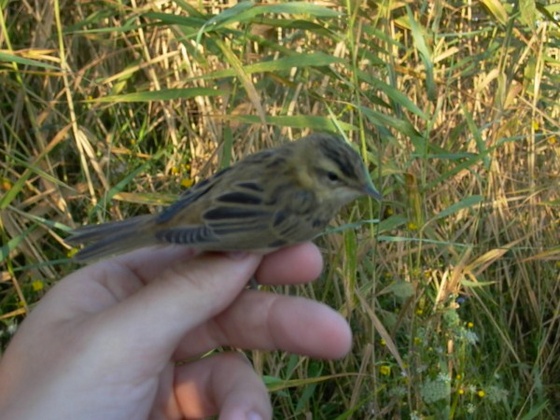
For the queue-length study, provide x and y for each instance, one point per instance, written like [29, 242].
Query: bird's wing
[234, 219]
[291, 227]
[190, 235]
[196, 193]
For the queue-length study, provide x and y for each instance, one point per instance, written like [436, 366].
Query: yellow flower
[5, 184]
[37, 285]
[412, 226]
[187, 182]
[385, 370]
[72, 252]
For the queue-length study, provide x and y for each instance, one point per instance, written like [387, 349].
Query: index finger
[292, 265]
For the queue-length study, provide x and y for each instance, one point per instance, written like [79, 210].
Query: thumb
[185, 295]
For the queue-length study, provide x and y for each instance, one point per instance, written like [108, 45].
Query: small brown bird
[271, 199]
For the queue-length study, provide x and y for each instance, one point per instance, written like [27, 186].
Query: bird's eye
[332, 176]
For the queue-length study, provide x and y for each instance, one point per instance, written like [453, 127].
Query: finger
[296, 264]
[149, 262]
[124, 275]
[104, 283]
[265, 321]
[142, 331]
[183, 296]
[225, 383]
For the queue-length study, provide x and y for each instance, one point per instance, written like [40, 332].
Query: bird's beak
[369, 189]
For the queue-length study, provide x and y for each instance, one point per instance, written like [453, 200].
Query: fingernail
[252, 415]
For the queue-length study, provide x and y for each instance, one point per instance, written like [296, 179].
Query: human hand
[104, 342]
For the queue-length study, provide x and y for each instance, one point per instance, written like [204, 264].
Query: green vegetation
[109, 108]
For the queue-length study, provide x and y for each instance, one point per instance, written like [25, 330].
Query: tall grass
[109, 109]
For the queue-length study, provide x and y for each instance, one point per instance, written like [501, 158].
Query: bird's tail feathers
[112, 238]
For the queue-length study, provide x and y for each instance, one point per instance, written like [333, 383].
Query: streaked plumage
[271, 199]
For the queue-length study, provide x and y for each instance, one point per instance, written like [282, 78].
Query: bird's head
[333, 170]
